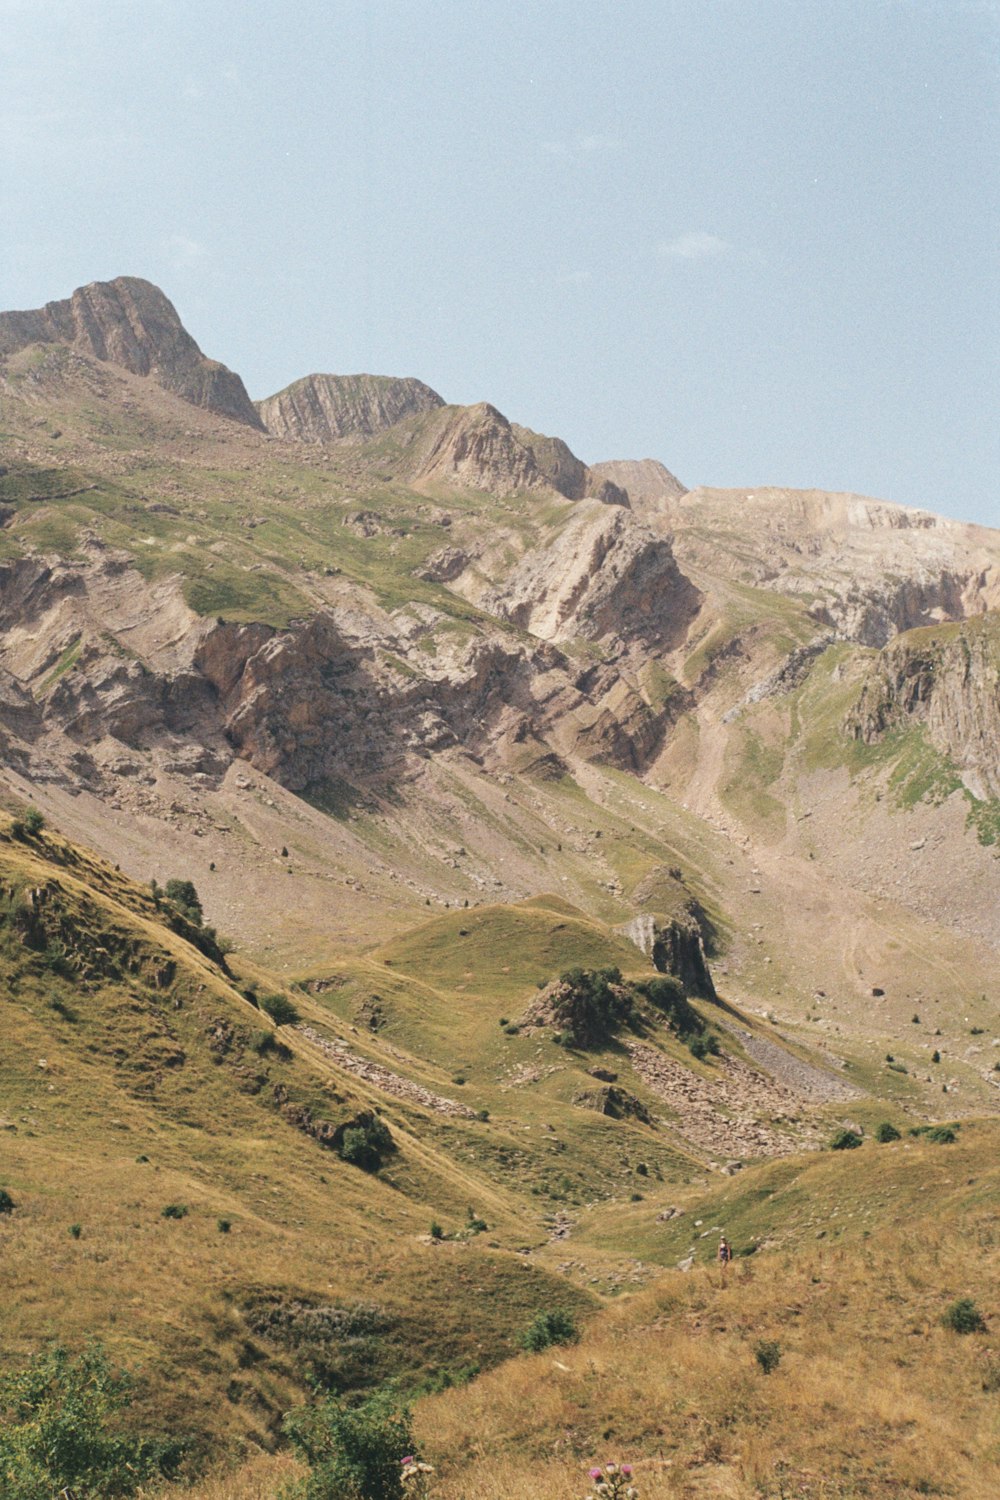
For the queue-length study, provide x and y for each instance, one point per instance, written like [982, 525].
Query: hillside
[615, 845]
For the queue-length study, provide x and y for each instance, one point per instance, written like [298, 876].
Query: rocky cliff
[947, 679]
[330, 408]
[130, 323]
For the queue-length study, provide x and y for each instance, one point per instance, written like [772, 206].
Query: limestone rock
[332, 408]
[130, 323]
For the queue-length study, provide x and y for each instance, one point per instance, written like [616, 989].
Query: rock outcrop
[649, 484]
[948, 680]
[674, 945]
[130, 323]
[865, 568]
[603, 575]
[332, 408]
[477, 448]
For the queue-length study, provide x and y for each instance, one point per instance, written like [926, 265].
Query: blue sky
[756, 239]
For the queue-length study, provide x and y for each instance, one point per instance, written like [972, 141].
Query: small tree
[353, 1451]
[34, 822]
[845, 1140]
[886, 1132]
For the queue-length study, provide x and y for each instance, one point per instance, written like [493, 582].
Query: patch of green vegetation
[754, 765]
[67, 660]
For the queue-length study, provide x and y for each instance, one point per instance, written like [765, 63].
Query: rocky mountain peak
[331, 408]
[649, 484]
[130, 323]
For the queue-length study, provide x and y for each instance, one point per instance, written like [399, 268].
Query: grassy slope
[106, 1067]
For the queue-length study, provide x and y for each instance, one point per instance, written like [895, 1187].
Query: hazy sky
[756, 239]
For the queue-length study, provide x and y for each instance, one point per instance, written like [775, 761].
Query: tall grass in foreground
[873, 1397]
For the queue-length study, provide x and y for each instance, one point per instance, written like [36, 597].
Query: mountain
[130, 323]
[616, 844]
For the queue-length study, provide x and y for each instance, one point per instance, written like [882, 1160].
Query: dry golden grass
[873, 1397]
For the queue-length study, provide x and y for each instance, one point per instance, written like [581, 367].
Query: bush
[667, 994]
[364, 1142]
[7, 1204]
[354, 1452]
[964, 1316]
[223, 1225]
[280, 1009]
[33, 822]
[941, 1135]
[56, 1431]
[554, 1327]
[182, 894]
[174, 1211]
[886, 1132]
[75, 1231]
[437, 1233]
[767, 1353]
[845, 1140]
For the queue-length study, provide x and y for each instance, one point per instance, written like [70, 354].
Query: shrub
[364, 1142]
[845, 1140]
[223, 1225]
[7, 1204]
[886, 1132]
[667, 994]
[964, 1316]
[941, 1135]
[182, 894]
[593, 1006]
[437, 1233]
[33, 822]
[174, 1211]
[767, 1353]
[553, 1327]
[75, 1231]
[57, 1431]
[280, 1009]
[354, 1452]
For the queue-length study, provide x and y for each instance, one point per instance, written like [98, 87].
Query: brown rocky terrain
[948, 679]
[442, 661]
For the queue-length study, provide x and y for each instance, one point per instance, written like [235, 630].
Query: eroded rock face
[948, 680]
[130, 323]
[867, 569]
[331, 408]
[604, 575]
[674, 945]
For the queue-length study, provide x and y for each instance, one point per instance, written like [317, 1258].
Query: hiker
[725, 1252]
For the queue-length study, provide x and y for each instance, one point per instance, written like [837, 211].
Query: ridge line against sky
[755, 239]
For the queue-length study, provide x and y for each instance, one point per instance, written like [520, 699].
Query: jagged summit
[477, 447]
[331, 408]
[129, 322]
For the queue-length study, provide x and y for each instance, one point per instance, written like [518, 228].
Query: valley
[576, 857]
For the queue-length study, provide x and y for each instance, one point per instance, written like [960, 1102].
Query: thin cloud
[184, 251]
[579, 145]
[695, 245]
